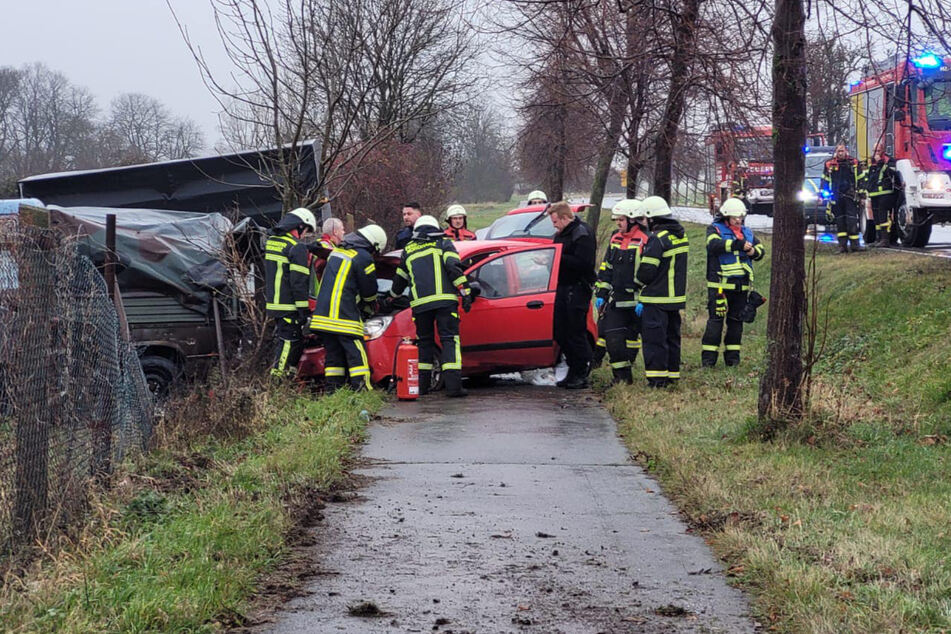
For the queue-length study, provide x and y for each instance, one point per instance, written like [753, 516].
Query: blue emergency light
[805, 149]
[854, 83]
[927, 60]
[946, 151]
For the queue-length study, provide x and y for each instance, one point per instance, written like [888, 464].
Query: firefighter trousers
[288, 345]
[883, 210]
[846, 214]
[621, 328]
[572, 302]
[735, 303]
[346, 357]
[660, 331]
[444, 321]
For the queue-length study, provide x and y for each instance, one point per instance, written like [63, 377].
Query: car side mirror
[476, 288]
[899, 115]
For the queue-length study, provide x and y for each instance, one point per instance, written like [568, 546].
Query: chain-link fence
[73, 399]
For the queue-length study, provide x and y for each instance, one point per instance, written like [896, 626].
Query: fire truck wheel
[914, 226]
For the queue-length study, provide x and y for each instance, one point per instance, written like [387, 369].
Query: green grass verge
[182, 538]
[842, 523]
[481, 214]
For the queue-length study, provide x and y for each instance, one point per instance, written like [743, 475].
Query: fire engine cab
[908, 109]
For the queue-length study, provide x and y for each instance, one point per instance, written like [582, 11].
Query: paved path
[516, 509]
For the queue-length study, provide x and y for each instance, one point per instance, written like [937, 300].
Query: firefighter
[662, 274]
[333, 232]
[616, 294]
[430, 266]
[843, 182]
[348, 294]
[287, 278]
[882, 184]
[731, 251]
[739, 186]
[457, 230]
[537, 197]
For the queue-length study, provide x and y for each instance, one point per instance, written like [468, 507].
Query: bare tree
[484, 158]
[146, 131]
[829, 62]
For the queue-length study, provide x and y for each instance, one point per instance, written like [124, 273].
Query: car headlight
[806, 196]
[374, 327]
[934, 180]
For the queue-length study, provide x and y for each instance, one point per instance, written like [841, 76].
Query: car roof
[467, 248]
[540, 208]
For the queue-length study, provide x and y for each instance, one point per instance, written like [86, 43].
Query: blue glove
[598, 303]
[639, 309]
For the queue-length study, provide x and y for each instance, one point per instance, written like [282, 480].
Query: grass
[183, 538]
[843, 523]
[481, 214]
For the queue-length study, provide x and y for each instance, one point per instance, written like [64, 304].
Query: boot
[334, 383]
[454, 387]
[883, 242]
[359, 384]
[843, 244]
[622, 375]
[855, 245]
[425, 381]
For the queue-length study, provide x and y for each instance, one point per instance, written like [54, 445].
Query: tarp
[11, 206]
[171, 252]
[214, 184]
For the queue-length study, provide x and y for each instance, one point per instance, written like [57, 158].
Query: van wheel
[160, 374]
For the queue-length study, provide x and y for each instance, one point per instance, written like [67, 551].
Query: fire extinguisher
[406, 370]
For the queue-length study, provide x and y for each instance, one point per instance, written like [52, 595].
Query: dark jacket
[663, 268]
[578, 254]
[616, 273]
[843, 178]
[728, 266]
[431, 268]
[347, 288]
[286, 272]
[403, 236]
[882, 177]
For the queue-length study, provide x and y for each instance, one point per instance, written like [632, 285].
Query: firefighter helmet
[537, 195]
[375, 234]
[628, 208]
[454, 210]
[733, 207]
[426, 221]
[306, 218]
[655, 206]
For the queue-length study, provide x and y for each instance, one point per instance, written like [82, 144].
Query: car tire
[161, 373]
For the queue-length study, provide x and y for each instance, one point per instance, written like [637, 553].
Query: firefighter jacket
[738, 186]
[318, 261]
[882, 177]
[459, 234]
[663, 268]
[347, 289]
[578, 254]
[286, 272]
[843, 178]
[430, 267]
[616, 273]
[729, 268]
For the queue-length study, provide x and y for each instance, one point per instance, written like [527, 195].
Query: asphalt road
[517, 509]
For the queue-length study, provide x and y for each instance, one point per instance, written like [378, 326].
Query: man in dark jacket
[731, 251]
[573, 295]
[348, 294]
[431, 268]
[662, 274]
[883, 183]
[844, 183]
[286, 277]
[411, 213]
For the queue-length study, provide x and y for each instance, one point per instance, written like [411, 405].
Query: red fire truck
[907, 108]
[737, 148]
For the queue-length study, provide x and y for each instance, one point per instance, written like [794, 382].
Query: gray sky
[117, 46]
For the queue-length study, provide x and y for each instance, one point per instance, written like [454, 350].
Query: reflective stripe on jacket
[347, 291]
[728, 265]
[430, 267]
[663, 268]
[616, 273]
[286, 276]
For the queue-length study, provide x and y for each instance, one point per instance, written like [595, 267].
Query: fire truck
[907, 108]
[736, 148]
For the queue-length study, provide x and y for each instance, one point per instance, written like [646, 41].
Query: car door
[510, 324]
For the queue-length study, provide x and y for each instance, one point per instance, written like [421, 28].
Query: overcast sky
[117, 46]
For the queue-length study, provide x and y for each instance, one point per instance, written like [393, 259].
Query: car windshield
[938, 104]
[521, 226]
[815, 163]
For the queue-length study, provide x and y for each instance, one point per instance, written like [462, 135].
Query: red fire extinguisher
[406, 370]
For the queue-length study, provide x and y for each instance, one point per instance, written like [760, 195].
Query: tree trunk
[684, 35]
[616, 106]
[555, 174]
[780, 397]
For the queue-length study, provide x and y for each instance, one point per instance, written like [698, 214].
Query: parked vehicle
[908, 108]
[524, 222]
[813, 203]
[508, 329]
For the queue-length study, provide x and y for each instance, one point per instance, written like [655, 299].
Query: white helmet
[454, 210]
[426, 221]
[375, 234]
[539, 194]
[744, 164]
[306, 217]
[733, 207]
[628, 208]
[655, 206]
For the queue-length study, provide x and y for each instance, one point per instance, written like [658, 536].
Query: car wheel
[437, 382]
[160, 374]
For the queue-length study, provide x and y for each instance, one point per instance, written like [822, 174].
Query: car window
[518, 273]
[517, 226]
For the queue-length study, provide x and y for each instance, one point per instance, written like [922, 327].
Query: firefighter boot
[883, 242]
[454, 387]
[622, 375]
[334, 383]
[855, 246]
[359, 384]
[425, 381]
[843, 244]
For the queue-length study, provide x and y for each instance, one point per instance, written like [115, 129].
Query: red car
[524, 223]
[509, 327]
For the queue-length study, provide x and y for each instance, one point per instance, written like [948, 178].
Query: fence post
[102, 428]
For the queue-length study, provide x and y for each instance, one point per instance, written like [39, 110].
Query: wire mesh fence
[73, 399]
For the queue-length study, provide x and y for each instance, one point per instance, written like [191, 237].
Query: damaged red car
[509, 328]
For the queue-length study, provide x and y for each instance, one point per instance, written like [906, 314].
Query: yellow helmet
[733, 207]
